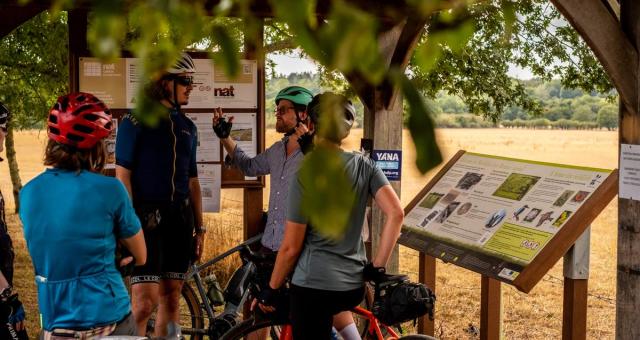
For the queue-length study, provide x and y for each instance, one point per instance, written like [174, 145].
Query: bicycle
[198, 317]
[278, 326]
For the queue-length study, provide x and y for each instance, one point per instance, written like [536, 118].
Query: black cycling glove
[306, 143]
[372, 273]
[222, 128]
[269, 296]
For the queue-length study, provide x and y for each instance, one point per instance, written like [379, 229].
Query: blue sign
[390, 161]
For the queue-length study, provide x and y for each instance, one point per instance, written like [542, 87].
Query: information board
[509, 219]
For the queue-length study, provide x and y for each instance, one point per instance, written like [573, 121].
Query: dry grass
[537, 315]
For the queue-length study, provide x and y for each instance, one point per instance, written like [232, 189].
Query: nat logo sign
[390, 161]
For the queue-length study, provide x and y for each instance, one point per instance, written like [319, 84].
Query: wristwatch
[201, 229]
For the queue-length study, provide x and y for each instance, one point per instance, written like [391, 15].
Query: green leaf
[328, 191]
[227, 56]
[420, 125]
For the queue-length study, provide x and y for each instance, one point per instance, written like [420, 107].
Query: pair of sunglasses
[184, 81]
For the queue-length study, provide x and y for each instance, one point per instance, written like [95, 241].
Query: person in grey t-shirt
[328, 275]
[281, 160]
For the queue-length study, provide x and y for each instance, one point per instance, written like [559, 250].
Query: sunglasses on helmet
[184, 80]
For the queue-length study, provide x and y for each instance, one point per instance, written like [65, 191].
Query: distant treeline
[562, 108]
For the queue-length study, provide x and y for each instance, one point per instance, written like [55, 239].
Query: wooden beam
[12, 16]
[602, 32]
[427, 275]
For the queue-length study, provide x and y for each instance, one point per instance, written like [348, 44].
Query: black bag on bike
[404, 302]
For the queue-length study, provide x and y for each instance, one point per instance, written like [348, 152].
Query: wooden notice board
[117, 82]
[505, 218]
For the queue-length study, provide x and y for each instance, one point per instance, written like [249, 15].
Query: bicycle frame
[194, 272]
[375, 325]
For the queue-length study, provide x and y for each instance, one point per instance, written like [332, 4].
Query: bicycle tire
[249, 326]
[417, 337]
[191, 318]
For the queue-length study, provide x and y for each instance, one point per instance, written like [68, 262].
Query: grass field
[537, 315]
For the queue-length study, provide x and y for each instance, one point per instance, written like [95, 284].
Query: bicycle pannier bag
[404, 302]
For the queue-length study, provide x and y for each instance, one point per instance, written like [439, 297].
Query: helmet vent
[82, 128]
[83, 108]
[53, 130]
[74, 137]
[53, 119]
[81, 98]
[91, 117]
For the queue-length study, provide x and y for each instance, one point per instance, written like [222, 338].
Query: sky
[292, 63]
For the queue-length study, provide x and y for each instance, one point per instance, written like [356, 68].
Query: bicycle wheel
[191, 318]
[254, 329]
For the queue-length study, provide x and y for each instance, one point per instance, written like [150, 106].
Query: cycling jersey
[161, 158]
[326, 264]
[71, 223]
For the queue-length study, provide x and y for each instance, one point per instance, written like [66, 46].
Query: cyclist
[327, 275]
[11, 309]
[281, 160]
[72, 217]
[158, 167]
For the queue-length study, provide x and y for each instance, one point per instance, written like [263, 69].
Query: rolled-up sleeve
[251, 166]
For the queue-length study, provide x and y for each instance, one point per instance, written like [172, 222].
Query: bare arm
[388, 202]
[124, 175]
[290, 249]
[3, 282]
[135, 244]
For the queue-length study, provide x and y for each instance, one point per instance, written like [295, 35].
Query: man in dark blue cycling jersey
[157, 164]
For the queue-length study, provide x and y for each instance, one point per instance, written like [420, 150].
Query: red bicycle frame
[374, 327]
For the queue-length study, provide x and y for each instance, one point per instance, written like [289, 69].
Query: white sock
[350, 332]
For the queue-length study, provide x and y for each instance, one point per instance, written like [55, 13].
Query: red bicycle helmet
[79, 120]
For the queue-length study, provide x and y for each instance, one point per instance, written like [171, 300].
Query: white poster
[629, 181]
[239, 92]
[209, 176]
[244, 132]
[110, 143]
[208, 142]
[132, 81]
[202, 94]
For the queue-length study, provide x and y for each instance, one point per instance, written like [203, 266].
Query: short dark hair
[69, 158]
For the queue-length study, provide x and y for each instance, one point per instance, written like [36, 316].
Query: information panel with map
[509, 219]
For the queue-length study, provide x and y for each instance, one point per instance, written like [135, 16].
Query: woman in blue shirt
[73, 216]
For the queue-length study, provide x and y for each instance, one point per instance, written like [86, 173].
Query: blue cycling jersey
[162, 159]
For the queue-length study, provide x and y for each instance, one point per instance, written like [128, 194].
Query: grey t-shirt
[336, 265]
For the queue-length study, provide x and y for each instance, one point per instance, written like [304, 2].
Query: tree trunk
[16, 182]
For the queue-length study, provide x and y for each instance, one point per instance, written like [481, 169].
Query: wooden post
[252, 196]
[490, 309]
[384, 125]
[427, 275]
[77, 22]
[576, 278]
[628, 283]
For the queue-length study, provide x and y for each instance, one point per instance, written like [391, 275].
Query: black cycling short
[312, 310]
[168, 233]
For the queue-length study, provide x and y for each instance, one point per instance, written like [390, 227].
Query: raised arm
[389, 203]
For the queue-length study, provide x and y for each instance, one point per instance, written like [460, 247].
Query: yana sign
[497, 215]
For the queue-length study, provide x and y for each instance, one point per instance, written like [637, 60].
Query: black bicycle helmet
[332, 102]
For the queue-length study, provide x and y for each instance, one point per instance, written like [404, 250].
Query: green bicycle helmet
[296, 94]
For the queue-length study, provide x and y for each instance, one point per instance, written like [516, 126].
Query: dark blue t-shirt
[162, 159]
